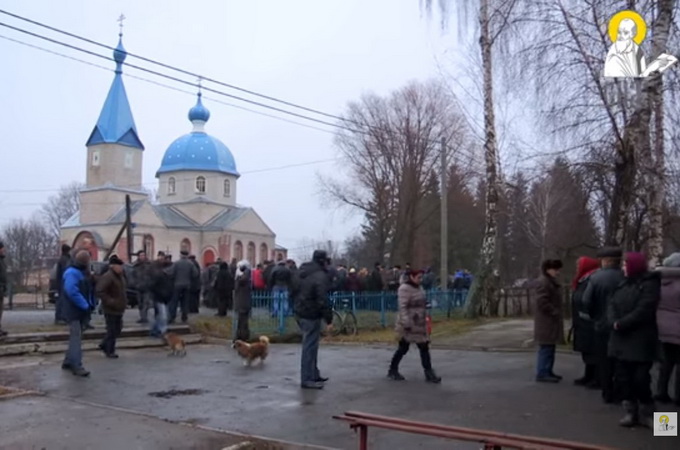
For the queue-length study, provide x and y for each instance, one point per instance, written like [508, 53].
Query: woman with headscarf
[548, 320]
[582, 324]
[631, 314]
[668, 319]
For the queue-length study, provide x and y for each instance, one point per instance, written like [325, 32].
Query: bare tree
[60, 207]
[306, 247]
[494, 19]
[563, 53]
[27, 243]
[390, 147]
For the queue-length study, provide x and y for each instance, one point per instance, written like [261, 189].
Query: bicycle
[344, 320]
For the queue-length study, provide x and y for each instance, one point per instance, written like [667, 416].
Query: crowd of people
[625, 317]
[172, 288]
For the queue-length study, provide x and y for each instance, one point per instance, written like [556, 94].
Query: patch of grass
[219, 327]
[441, 329]
[369, 322]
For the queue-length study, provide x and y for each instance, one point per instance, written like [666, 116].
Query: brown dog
[251, 352]
[176, 344]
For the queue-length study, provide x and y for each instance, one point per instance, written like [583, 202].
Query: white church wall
[185, 187]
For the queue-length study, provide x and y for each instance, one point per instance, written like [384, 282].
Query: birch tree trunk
[482, 298]
[657, 163]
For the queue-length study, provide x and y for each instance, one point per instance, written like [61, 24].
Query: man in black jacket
[600, 288]
[281, 284]
[64, 263]
[161, 287]
[311, 306]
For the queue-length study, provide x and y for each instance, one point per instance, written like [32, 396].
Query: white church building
[196, 209]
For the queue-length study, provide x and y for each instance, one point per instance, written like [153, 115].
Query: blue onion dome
[199, 112]
[119, 54]
[198, 151]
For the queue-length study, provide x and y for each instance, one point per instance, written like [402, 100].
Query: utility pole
[128, 227]
[444, 269]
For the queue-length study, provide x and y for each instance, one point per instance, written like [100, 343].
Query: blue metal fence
[273, 314]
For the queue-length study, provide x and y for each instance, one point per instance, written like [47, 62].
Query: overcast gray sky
[319, 54]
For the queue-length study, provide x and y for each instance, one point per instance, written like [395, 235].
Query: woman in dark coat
[223, 289]
[631, 314]
[582, 324]
[548, 321]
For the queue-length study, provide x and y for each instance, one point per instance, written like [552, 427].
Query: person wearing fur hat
[668, 320]
[631, 317]
[242, 299]
[582, 324]
[600, 288]
[111, 291]
[3, 284]
[548, 320]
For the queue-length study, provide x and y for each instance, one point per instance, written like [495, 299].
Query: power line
[177, 69]
[167, 86]
[193, 84]
[178, 179]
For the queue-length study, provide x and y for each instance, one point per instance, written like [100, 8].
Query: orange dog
[251, 352]
[176, 344]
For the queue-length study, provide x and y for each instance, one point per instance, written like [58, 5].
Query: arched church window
[95, 158]
[128, 159]
[171, 186]
[227, 188]
[200, 185]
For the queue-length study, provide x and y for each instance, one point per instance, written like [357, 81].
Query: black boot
[432, 377]
[393, 374]
[646, 418]
[587, 377]
[631, 417]
[665, 372]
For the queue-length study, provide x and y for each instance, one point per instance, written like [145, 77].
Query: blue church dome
[198, 151]
[199, 112]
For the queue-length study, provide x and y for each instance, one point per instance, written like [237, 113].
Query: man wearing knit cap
[602, 285]
[3, 284]
[111, 291]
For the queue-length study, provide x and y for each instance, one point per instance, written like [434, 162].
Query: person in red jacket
[259, 283]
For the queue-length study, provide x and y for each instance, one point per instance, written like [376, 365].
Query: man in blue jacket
[78, 294]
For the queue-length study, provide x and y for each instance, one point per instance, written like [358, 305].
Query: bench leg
[363, 437]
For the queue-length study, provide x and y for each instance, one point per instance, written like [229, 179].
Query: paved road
[480, 390]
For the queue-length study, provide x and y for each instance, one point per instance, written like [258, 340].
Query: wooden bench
[492, 440]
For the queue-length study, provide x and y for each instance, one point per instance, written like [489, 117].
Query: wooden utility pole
[128, 227]
[444, 267]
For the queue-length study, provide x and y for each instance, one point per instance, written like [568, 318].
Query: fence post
[281, 316]
[234, 324]
[383, 320]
